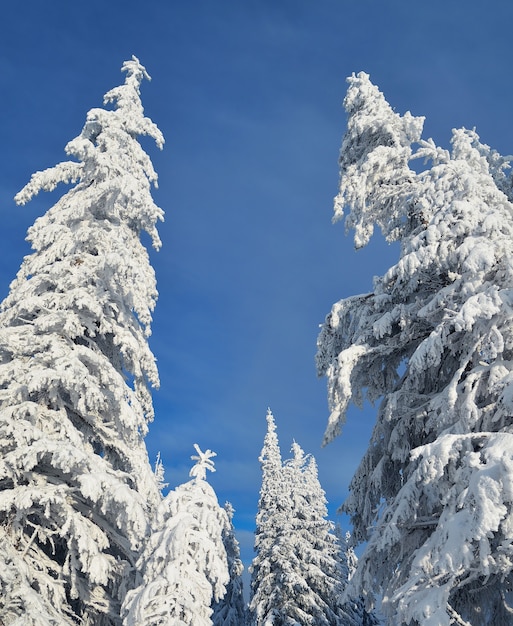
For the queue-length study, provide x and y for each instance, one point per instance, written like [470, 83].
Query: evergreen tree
[230, 610]
[272, 497]
[184, 566]
[352, 611]
[76, 487]
[295, 573]
[432, 496]
[316, 580]
[273, 511]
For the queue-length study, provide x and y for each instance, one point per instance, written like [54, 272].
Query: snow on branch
[47, 180]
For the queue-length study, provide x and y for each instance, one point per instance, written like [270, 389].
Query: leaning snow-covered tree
[296, 577]
[433, 495]
[184, 566]
[76, 487]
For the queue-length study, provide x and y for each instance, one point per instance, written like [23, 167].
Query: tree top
[203, 463]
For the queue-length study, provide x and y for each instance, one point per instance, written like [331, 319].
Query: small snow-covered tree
[315, 576]
[76, 487]
[184, 566]
[296, 578]
[352, 611]
[230, 610]
[432, 496]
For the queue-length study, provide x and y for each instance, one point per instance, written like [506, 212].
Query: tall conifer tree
[432, 497]
[273, 512]
[76, 488]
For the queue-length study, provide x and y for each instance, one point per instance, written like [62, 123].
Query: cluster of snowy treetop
[302, 566]
[86, 534]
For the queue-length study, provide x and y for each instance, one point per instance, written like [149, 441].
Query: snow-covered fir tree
[230, 610]
[184, 565]
[295, 573]
[76, 487]
[433, 494]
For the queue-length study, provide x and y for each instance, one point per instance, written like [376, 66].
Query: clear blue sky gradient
[248, 95]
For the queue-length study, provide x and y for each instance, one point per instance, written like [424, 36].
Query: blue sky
[248, 95]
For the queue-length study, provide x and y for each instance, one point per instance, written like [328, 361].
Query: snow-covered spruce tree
[353, 612]
[434, 339]
[315, 577]
[76, 487]
[230, 610]
[184, 565]
[273, 511]
[296, 578]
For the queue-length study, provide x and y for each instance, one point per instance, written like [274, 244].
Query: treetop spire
[135, 69]
[271, 449]
[203, 463]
